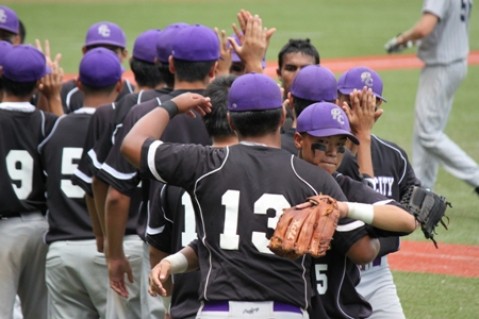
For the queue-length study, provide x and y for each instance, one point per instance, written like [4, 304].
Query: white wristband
[166, 303]
[359, 211]
[178, 262]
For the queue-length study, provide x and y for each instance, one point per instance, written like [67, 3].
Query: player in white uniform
[444, 33]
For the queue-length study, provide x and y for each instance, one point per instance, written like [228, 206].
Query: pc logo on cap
[144, 48]
[359, 77]
[99, 68]
[9, 20]
[324, 119]
[196, 43]
[315, 83]
[105, 33]
[24, 63]
[254, 92]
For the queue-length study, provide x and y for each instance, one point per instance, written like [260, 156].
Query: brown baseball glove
[306, 228]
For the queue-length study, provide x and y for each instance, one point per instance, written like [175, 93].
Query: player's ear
[230, 122]
[124, 54]
[84, 49]
[298, 141]
[171, 64]
[79, 85]
[211, 73]
[119, 86]
[278, 72]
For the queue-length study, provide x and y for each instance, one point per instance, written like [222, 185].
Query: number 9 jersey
[22, 129]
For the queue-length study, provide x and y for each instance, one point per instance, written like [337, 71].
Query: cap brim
[347, 91]
[333, 132]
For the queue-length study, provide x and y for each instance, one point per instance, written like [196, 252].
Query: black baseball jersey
[171, 226]
[238, 196]
[287, 140]
[335, 276]
[118, 172]
[22, 184]
[393, 174]
[72, 97]
[68, 216]
[99, 122]
[100, 150]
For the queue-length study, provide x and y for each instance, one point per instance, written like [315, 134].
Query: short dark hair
[216, 122]
[6, 36]
[20, 89]
[256, 123]
[300, 104]
[168, 77]
[298, 45]
[189, 71]
[22, 31]
[88, 89]
[146, 74]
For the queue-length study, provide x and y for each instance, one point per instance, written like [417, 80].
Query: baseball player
[443, 36]
[322, 130]
[193, 71]
[23, 206]
[101, 34]
[76, 273]
[237, 194]
[9, 26]
[387, 171]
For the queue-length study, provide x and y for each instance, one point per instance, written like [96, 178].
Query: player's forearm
[99, 189]
[90, 203]
[421, 29]
[363, 155]
[156, 256]
[116, 216]
[386, 217]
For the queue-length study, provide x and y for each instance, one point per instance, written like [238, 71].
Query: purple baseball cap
[165, 41]
[99, 68]
[254, 92]
[105, 33]
[324, 119]
[315, 83]
[5, 47]
[144, 48]
[196, 43]
[24, 63]
[357, 78]
[9, 20]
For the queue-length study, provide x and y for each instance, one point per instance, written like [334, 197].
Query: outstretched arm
[153, 124]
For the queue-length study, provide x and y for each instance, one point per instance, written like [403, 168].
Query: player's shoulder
[387, 145]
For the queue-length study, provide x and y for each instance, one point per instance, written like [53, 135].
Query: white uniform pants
[378, 288]
[431, 146]
[77, 280]
[22, 271]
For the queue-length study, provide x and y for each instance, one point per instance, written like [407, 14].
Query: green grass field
[340, 28]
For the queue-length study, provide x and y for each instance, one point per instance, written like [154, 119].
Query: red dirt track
[421, 257]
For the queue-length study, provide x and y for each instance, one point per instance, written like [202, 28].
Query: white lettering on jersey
[383, 185]
[20, 168]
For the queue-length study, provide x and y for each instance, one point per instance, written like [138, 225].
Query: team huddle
[159, 197]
